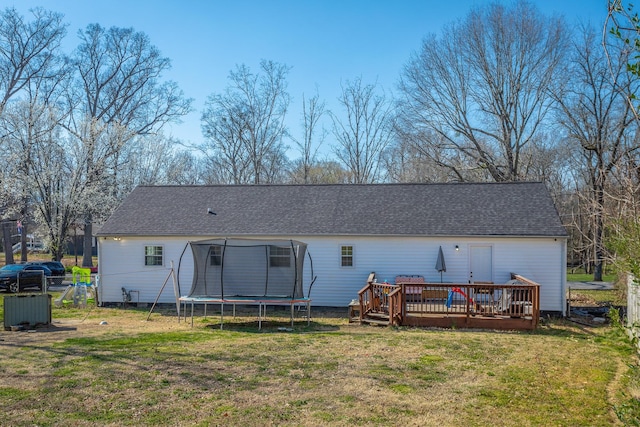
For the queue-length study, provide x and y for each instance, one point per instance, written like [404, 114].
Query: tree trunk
[8, 248]
[57, 252]
[598, 233]
[23, 243]
[87, 259]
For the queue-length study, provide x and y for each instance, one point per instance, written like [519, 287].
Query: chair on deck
[413, 293]
[513, 302]
[503, 305]
[485, 298]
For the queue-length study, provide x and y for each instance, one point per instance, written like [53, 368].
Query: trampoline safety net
[228, 268]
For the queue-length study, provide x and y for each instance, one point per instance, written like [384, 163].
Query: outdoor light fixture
[209, 210]
[117, 239]
[457, 248]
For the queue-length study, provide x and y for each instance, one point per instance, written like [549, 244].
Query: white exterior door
[481, 263]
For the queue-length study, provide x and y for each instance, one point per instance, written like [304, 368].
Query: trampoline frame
[261, 302]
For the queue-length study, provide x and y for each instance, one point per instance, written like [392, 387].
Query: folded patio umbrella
[440, 265]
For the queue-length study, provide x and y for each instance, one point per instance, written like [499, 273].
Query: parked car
[57, 270]
[18, 277]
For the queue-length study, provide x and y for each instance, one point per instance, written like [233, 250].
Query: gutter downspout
[100, 264]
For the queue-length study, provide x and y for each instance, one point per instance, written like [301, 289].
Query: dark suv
[18, 277]
[57, 270]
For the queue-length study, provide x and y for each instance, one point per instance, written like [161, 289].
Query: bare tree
[404, 162]
[244, 127]
[225, 130]
[623, 24]
[185, 168]
[475, 97]
[147, 161]
[312, 112]
[623, 235]
[157, 160]
[27, 49]
[600, 123]
[365, 132]
[325, 171]
[118, 95]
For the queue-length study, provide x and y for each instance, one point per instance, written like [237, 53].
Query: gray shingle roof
[464, 209]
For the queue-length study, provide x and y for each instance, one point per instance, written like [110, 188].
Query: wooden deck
[513, 305]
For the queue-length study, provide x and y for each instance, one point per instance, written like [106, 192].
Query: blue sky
[326, 42]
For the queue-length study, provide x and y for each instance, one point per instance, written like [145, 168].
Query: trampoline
[260, 303]
[247, 272]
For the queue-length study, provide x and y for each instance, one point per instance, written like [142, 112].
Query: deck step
[375, 315]
[375, 321]
[376, 318]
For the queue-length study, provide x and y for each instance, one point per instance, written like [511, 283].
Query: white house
[486, 230]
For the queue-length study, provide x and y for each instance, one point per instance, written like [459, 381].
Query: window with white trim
[346, 256]
[216, 255]
[153, 255]
[279, 256]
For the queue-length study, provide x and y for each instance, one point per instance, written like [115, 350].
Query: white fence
[633, 309]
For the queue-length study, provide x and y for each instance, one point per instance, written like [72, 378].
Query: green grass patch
[140, 342]
[583, 277]
[628, 407]
[161, 372]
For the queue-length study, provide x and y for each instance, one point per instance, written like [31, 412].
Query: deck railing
[374, 298]
[395, 306]
[514, 303]
[513, 300]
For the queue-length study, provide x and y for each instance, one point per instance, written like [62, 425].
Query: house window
[216, 255]
[346, 256]
[279, 256]
[153, 255]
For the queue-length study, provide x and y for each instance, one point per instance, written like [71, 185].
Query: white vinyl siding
[123, 266]
[540, 259]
